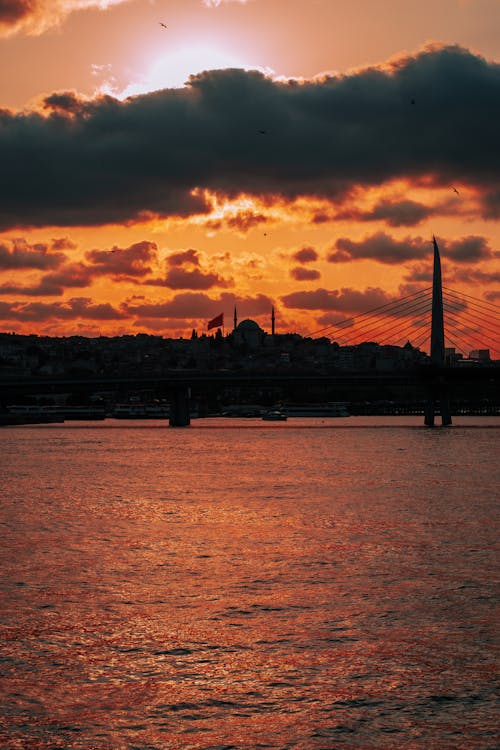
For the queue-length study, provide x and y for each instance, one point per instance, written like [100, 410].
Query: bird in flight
[163, 24]
[263, 132]
[455, 190]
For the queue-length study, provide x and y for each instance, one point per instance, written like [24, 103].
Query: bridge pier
[179, 408]
[431, 409]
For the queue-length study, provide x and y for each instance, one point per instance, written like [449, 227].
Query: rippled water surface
[301, 585]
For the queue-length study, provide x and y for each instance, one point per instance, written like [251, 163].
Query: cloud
[192, 277]
[416, 274]
[120, 263]
[382, 248]
[469, 249]
[304, 274]
[91, 162]
[52, 284]
[42, 289]
[63, 243]
[196, 305]
[305, 255]
[338, 300]
[242, 221]
[20, 254]
[76, 308]
[476, 276]
[70, 275]
[190, 256]
[181, 278]
[406, 213]
[37, 16]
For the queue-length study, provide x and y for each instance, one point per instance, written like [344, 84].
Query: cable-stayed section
[470, 323]
[474, 321]
[377, 323]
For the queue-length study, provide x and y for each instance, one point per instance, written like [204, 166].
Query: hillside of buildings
[247, 348]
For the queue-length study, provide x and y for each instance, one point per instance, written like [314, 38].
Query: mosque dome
[249, 332]
[248, 326]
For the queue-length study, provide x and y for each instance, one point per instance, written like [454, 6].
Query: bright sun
[173, 70]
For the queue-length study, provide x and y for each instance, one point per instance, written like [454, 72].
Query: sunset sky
[258, 153]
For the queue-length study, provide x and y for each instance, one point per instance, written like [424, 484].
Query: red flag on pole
[216, 322]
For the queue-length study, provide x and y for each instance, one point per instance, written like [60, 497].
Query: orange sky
[319, 195]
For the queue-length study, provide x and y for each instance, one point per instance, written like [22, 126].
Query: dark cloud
[243, 221]
[63, 243]
[13, 11]
[323, 217]
[196, 305]
[192, 277]
[36, 16]
[305, 255]
[184, 257]
[182, 278]
[419, 273]
[121, 263]
[42, 289]
[469, 249]
[382, 248]
[338, 300]
[103, 161]
[476, 276]
[304, 274]
[70, 275]
[73, 309]
[396, 213]
[20, 254]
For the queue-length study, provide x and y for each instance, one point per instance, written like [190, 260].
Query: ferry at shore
[329, 409]
[18, 414]
[141, 411]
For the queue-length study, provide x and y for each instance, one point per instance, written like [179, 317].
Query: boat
[274, 415]
[141, 411]
[328, 409]
[26, 414]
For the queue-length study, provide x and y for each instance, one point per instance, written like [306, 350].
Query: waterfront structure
[437, 394]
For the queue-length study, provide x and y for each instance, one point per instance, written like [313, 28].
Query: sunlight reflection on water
[280, 586]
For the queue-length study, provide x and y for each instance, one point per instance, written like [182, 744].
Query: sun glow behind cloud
[173, 69]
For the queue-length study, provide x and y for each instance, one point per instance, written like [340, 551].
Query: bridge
[180, 387]
[435, 385]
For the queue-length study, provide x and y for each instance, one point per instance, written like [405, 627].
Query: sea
[316, 584]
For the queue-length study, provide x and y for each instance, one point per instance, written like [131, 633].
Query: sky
[163, 162]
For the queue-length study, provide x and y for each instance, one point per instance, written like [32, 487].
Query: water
[248, 585]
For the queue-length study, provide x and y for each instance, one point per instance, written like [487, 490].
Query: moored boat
[274, 415]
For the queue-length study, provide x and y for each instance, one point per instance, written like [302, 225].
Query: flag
[216, 322]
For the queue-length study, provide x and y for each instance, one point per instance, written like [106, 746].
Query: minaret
[272, 320]
[235, 319]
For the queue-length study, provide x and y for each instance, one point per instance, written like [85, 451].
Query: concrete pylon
[437, 388]
[179, 407]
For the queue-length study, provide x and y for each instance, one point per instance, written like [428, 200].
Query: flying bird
[263, 132]
[455, 190]
[163, 24]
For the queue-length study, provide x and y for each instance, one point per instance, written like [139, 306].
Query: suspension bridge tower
[437, 399]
